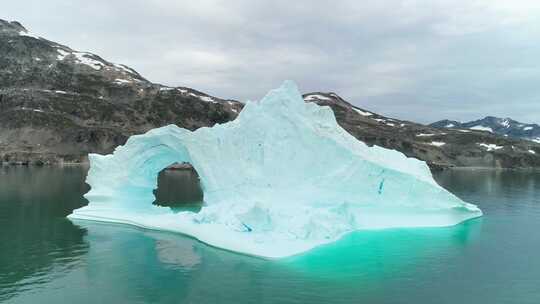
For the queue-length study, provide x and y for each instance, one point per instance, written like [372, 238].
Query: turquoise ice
[282, 178]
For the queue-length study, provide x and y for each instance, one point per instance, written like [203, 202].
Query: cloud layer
[416, 60]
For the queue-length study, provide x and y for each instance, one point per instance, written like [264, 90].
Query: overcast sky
[416, 60]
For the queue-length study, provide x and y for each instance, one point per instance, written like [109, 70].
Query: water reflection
[36, 238]
[47, 259]
[503, 187]
[176, 252]
[199, 273]
[178, 263]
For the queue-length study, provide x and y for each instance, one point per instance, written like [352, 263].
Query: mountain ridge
[58, 104]
[497, 125]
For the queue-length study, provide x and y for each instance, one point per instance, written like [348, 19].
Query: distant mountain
[501, 126]
[58, 104]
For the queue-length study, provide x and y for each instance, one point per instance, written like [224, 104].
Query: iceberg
[279, 180]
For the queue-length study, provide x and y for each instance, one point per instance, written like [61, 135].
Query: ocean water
[46, 258]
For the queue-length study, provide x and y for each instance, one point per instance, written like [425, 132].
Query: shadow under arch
[178, 187]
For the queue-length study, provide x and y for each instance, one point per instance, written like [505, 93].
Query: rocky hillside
[58, 104]
[501, 126]
[441, 148]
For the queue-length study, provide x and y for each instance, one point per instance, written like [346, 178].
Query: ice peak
[286, 94]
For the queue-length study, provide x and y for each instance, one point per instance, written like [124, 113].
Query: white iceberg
[282, 178]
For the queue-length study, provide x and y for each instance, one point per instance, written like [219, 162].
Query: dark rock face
[500, 126]
[57, 105]
[440, 148]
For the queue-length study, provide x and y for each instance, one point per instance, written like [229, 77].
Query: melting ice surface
[282, 178]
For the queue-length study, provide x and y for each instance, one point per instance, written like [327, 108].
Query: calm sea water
[45, 258]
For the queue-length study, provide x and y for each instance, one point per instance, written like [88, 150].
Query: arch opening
[179, 188]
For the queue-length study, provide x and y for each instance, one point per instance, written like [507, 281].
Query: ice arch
[280, 179]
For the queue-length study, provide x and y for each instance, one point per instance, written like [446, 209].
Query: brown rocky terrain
[58, 104]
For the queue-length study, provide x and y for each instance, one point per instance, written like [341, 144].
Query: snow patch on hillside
[312, 97]
[124, 68]
[481, 128]
[437, 143]
[83, 58]
[121, 81]
[490, 147]
[28, 34]
[362, 112]
[62, 54]
[203, 98]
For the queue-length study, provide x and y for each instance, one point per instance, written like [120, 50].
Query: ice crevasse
[280, 179]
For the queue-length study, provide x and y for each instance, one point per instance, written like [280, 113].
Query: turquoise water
[45, 258]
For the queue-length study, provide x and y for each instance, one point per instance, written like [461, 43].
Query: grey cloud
[416, 60]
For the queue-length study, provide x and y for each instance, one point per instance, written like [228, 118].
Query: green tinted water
[45, 258]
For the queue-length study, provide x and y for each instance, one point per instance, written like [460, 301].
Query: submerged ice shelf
[282, 178]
